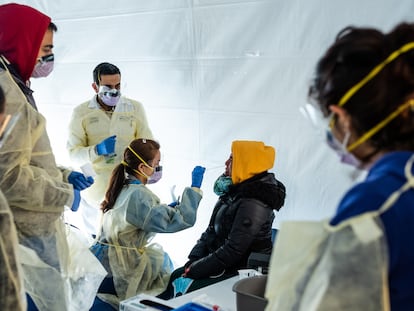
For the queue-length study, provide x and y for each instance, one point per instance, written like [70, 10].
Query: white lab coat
[90, 125]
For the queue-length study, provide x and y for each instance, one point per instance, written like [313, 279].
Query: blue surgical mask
[222, 184]
[109, 97]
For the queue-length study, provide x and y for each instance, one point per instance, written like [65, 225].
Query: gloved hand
[79, 181]
[173, 204]
[188, 263]
[76, 200]
[197, 176]
[107, 146]
[206, 267]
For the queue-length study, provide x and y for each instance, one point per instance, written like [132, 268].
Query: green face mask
[221, 186]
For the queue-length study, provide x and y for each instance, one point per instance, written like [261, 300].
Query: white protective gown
[12, 295]
[137, 266]
[58, 273]
[90, 125]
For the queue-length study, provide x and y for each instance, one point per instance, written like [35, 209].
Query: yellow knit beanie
[250, 158]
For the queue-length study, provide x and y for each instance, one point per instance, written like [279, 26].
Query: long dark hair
[355, 52]
[146, 149]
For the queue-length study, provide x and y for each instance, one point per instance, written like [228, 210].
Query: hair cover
[250, 158]
[22, 29]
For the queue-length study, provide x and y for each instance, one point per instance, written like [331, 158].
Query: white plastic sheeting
[210, 72]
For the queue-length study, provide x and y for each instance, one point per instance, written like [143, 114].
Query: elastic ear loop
[405, 48]
[381, 125]
[344, 99]
[136, 154]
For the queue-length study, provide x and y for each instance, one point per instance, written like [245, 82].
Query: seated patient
[132, 216]
[241, 222]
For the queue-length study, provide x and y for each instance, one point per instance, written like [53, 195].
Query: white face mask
[109, 97]
[340, 149]
[156, 176]
[44, 66]
[321, 124]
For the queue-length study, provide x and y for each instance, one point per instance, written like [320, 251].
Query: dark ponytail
[116, 183]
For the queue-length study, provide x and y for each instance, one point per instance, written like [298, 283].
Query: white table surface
[220, 294]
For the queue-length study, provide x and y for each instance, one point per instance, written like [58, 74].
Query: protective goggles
[47, 58]
[107, 91]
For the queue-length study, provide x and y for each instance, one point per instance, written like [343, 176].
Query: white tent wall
[209, 72]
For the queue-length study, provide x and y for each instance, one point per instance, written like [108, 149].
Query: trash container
[250, 293]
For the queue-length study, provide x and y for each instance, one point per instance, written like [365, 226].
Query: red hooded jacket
[22, 29]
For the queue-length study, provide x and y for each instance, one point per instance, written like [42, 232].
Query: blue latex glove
[173, 204]
[76, 200]
[107, 146]
[197, 176]
[79, 181]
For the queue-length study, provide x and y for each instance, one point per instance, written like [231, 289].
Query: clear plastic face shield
[320, 123]
[325, 124]
[6, 126]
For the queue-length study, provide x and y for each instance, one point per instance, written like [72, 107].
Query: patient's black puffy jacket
[241, 223]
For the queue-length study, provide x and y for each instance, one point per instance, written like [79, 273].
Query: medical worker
[241, 222]
[37, 191]
[12, 295]
[133, 215]
[99, 131]
[364, 85]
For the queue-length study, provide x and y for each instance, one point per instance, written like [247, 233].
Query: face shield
[315, 117]
[110, 97]
[323, 126]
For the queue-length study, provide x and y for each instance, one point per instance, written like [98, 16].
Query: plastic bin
[250, 293]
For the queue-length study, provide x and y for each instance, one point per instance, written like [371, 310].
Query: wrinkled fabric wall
[209, 72]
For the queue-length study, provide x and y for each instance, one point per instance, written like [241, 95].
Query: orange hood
[250, 158]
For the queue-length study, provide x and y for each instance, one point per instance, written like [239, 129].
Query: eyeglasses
[47, 58]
